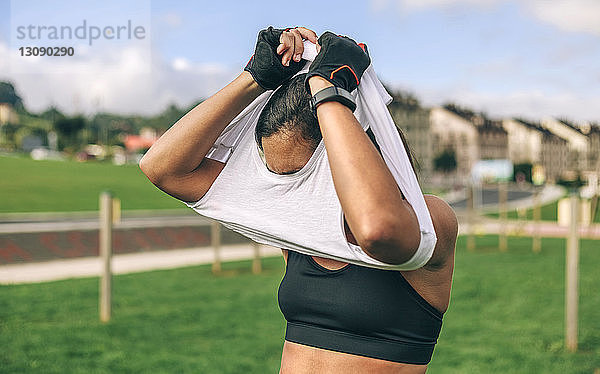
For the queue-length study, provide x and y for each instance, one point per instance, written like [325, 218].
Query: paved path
[15, 223]
[126, 263]
[92, 223]
[487, 199]
[175, 258]
[485, 226]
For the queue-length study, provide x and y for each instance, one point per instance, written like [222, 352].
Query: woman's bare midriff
[303, 359]
[298, 358]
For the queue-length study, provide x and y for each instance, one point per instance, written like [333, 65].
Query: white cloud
[378, 5]
[534, 104]
[125, 81]
[567, 15]
[172, 19]
[113, 82]
[561, 86]
[181, 64]
[421, 4]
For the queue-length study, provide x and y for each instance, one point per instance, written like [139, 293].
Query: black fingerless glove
[340, 60]
[265, 65]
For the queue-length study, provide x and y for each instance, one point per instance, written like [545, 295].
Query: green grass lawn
[506, 316]
[549, 213]
[43, 186]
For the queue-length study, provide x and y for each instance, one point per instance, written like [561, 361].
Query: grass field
[44, 186]
[506, 316]
[549, 212]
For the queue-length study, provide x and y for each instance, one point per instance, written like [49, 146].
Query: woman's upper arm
[446, 230]
[192, 186]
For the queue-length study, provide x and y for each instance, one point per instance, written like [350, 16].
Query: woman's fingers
[307, 34]
[291, 46]
[298, 45]
[287, 51]
[281, 47]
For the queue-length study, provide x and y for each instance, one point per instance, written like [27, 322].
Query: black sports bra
[357, 310]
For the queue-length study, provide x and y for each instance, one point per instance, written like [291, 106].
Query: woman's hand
[277, 56]
[344, 66]
[291, 43]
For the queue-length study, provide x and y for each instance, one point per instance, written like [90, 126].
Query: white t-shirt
[301, 211]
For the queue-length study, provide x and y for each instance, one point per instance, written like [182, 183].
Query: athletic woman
[342, 318]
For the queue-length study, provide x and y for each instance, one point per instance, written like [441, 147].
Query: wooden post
[471, 217]
[256, 263]
[536, 244]
[594, 208]
[502, 197]
[571, 277]
[116, 210]
[106, 216]
[215, 238]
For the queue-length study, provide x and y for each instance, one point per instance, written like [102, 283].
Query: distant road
[490, 197]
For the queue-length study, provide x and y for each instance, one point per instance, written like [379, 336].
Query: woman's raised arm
[384, 225]
[176, 163]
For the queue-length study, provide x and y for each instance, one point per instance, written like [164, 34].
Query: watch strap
[332, 93]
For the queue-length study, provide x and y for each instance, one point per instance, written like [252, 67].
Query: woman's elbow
[391, 241]
[150, 169]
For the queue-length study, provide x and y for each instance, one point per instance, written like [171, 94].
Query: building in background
[524, 141]
[137, 143]
[493, 139]
[414, 124]
[470, 137]
[578, 142]
[592, 130]
[451, 131]
[555, 156]
[530, 143]
[8, 118]
[8, 114]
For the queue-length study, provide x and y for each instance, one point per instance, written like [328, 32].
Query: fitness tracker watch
[332, 93]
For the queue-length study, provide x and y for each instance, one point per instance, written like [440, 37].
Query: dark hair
[289, 110]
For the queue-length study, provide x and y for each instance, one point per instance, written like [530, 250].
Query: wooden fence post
[256, 263]
[571, 277]
[536, 244]
[215, 238]
[594, 207]
[471, 217]
[106, 219]
[502, 197]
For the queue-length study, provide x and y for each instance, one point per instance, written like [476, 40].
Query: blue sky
[532, 58]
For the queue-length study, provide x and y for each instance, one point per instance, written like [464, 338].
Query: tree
[68, 130]
[404, 100]
[445, 161]
[52, 114]
[9, 95]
